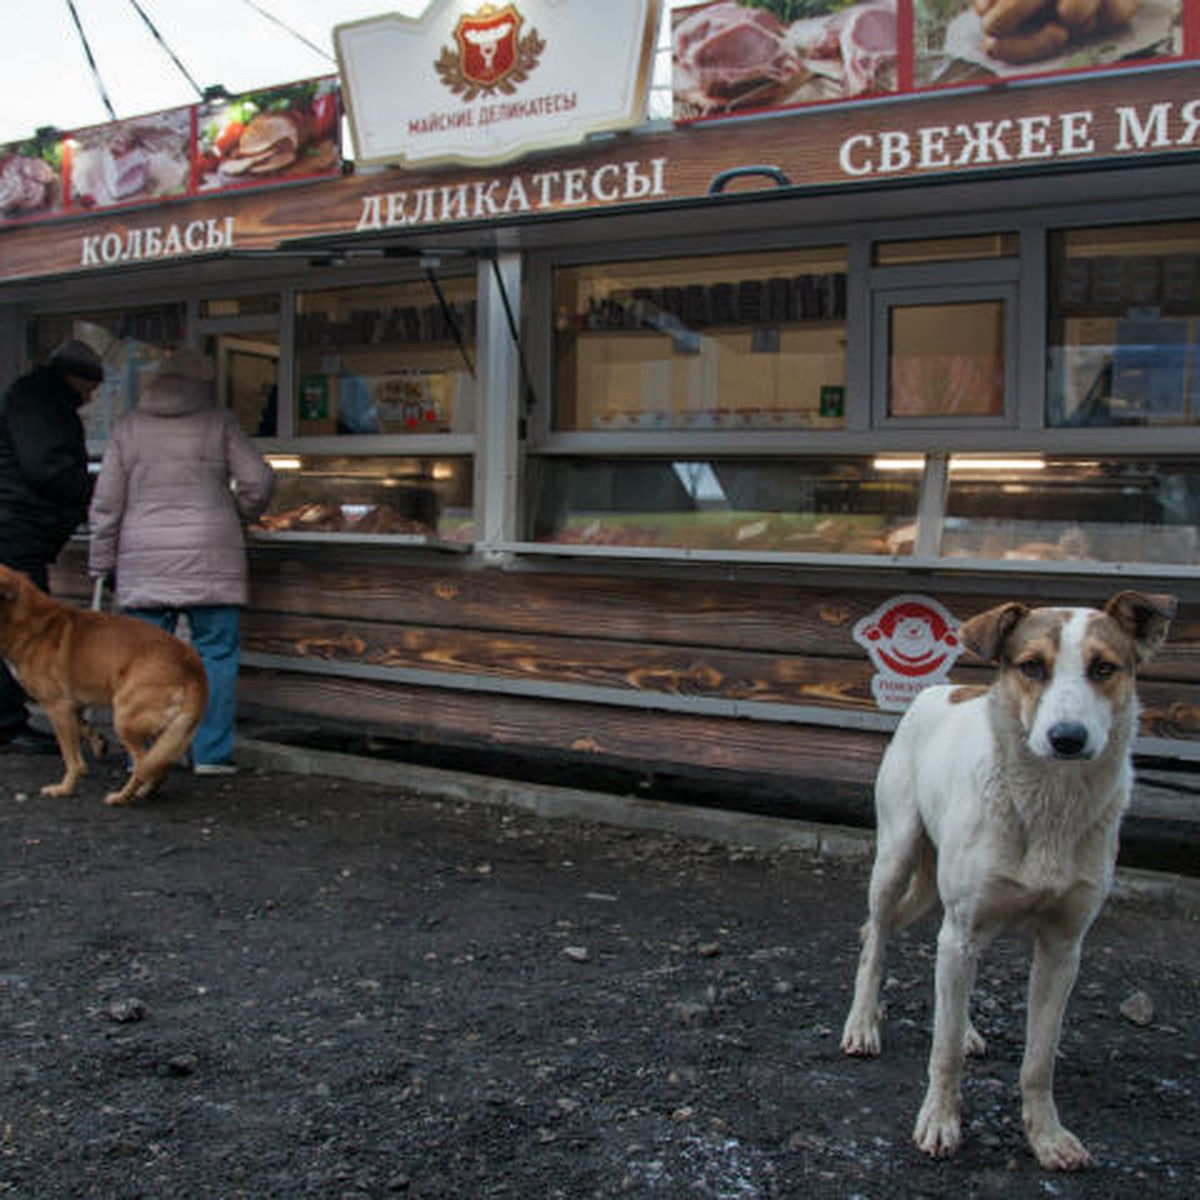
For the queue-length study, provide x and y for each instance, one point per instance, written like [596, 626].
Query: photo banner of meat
[292, 132]
[31, 179]
[145, 158]
[981, 39]
[734, 57]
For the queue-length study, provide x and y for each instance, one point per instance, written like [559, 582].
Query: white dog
[1005, 804]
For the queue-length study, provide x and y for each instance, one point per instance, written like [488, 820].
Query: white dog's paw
[1058, 1149]
[938, 1131]
[860, 1037]
[974, 1043]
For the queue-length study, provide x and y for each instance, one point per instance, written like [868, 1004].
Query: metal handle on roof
[724, 177]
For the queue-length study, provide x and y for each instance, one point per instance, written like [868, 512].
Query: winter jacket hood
[182, 384]
[176, 399]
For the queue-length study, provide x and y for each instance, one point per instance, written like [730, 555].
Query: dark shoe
[27, 740]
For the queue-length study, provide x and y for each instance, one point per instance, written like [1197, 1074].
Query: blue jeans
[215, 633]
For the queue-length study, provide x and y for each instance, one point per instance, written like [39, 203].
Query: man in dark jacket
[44, 492]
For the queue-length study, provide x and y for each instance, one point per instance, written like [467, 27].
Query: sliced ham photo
[125, 167]
[270, 142]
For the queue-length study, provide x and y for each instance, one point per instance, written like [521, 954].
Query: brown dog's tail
[170, 741]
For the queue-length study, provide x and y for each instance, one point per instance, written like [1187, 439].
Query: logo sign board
[912, 642]
[472, 82]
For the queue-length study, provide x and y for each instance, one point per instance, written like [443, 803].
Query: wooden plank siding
[604, 734]
[602, 662]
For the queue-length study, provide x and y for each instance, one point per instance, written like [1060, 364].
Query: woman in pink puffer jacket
[178, 482]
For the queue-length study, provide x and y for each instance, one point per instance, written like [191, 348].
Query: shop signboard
[1117, 117]
[731, 57]
[488, 82]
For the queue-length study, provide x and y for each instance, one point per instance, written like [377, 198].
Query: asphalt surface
[335, 976]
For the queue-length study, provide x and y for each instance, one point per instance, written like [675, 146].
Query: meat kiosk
[678, 443]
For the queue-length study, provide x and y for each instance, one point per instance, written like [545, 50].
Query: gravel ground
[276, 985]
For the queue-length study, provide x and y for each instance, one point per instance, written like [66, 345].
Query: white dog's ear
[1144, 617]
[986, 633]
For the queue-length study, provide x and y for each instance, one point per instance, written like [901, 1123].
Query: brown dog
[67, 659]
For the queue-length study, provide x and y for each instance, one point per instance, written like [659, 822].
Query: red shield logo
[487, 44]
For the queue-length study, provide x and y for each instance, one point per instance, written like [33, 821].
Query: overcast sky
[47, 79]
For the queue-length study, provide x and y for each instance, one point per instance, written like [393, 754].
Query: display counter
[423, 500]
[1077, 512]
[1018, 509]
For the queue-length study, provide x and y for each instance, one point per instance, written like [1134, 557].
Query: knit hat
[74, 357]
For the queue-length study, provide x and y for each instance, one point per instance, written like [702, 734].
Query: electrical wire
[158, 37]
[262, 12]
[87, 49]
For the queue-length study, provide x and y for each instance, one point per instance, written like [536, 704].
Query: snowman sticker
[912, 642]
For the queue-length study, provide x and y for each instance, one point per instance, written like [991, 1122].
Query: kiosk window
[945, 355]
[947, 360]
[131, 341]
[722, 342]
[1124, 311]
[390, 359]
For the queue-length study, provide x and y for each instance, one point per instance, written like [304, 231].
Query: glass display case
[411, 498]
[1073, 510]
[827, 506]
[394, 358]
[1015, 509]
